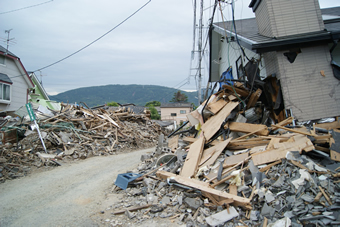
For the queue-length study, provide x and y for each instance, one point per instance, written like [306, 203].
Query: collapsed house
[290, 46]
[224, 171]
[72, 133]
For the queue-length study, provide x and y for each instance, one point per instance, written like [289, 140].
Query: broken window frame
[239, 68]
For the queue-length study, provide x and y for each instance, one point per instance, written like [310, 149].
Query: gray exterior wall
[234, 52]
[18, 88]
[278, 18]
[305, 90]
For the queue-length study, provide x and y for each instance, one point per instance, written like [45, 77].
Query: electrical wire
[26, 7]
[95, 39]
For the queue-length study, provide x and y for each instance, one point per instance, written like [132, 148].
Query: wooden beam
[293, 130]
[211, 154]
[239, 91]
[264, 169]
[215, 107]
[253, 98]
[234, 159]
[238, 201]
[211, 126]
[248, 128]
[329, 126]
[194, 156]
[285, 122]
[296, 143]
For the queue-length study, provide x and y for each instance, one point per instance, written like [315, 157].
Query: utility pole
[8, 39]
[200, 30]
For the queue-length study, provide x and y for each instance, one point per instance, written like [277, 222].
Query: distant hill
[137, 94]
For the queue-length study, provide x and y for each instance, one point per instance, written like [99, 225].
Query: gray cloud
[152, 47]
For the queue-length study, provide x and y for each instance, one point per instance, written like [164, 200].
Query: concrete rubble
[73, 133]
[228, 172]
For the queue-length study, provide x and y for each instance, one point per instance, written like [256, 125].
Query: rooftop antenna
[41, 75]
[8, 39]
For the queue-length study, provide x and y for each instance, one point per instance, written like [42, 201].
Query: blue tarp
[226, 77]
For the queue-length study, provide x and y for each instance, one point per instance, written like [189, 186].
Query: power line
[26, 7]
[95, 39]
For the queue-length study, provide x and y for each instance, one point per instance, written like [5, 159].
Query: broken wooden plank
[296, 143]
[233, 189]
[329, 126]
[272, 142]
[215, 107]
[122, 211]
[189, 139]
[173, 143]
[264, 169]
[234, 159]
[194, 155]
[212, 176]
[211, 154]
[211, 126]
[285, 122]
[325, 195]
[238, 201]
[293, 130]
[253, 98]
[248, 128]
[227, 178]
[239, 91]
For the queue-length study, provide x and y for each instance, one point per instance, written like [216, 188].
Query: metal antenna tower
[8, 39]
[200, 32]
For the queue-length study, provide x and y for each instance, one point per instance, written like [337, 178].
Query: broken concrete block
[267, 211]
[222, 217]
[304, 176]
[145, 157]
[307, 198]
[284, 222]
[165, 200]
[129, 214]
[193, 203]
[270, 197]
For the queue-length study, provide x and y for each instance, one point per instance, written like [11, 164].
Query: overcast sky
[152, 47]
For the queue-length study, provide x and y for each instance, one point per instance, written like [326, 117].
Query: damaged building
[294, 42]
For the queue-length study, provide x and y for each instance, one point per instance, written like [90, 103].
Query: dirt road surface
[69, 195]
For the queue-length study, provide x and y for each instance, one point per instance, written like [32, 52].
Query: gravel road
[64, 196]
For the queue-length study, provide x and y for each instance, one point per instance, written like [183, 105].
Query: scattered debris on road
[71, 134]
[229, 171]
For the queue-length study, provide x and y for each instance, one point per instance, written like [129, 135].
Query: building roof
[249, 37]
[19, 64]
[5, 78]
[177, 105]
[3, 49]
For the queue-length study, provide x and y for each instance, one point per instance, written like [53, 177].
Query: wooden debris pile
[229, 171]
[73, 133]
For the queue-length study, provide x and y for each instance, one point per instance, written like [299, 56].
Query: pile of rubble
[224, 171]
[71, 134]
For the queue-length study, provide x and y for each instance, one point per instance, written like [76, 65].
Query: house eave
[285, 44]
[245, 42]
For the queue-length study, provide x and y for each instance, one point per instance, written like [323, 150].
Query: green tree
[112, 104]
[153, 103]
[179, 97]
[154, 113]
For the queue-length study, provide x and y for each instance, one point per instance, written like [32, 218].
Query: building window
[239, 68]
[182, 111]
[173, 114]
[2, 60]
[5, 92]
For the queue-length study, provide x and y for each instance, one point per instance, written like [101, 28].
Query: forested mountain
[137, 94]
